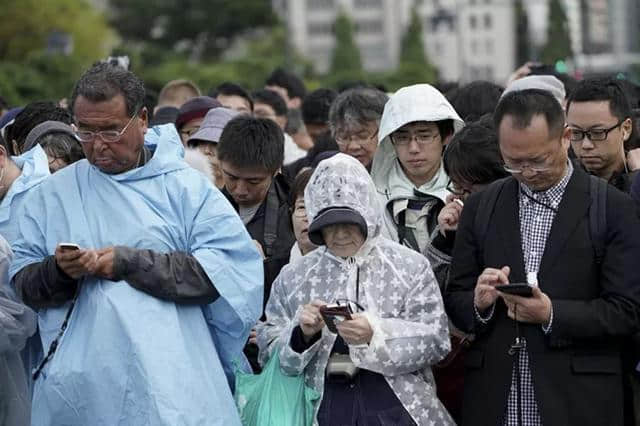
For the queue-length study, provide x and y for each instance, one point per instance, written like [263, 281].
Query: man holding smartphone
[560, 363]
[145, 280]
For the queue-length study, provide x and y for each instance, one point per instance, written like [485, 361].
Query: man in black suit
[560, 363]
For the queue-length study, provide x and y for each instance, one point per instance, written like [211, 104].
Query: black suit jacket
[576, 368]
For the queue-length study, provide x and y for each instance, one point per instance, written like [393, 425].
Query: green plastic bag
[272, 398]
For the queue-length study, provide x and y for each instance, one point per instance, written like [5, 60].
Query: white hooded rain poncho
[397, 289]
[420, 102]
[127, 357]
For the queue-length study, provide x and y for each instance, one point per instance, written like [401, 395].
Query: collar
[399, 186]
[553, 194]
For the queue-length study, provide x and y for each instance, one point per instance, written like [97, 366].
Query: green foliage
[558, 45]
[26, 25]
[412, 48]
[203, 27]
[523, 42]
[345, 61]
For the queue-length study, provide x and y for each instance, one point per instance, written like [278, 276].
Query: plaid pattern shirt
[537, 212]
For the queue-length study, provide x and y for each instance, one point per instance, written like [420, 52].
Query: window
[320, 4]
[488, 45]
[320, 28]
[372, 26]
[473, 22]
[488, 21]
[369, 4]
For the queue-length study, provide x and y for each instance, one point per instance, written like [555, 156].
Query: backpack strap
[598, 216]
[271, 220]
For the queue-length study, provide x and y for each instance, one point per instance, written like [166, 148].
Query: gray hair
[355, 108]
[103, 82]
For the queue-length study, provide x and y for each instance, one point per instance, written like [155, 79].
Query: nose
[413, 145]
[353, 145]
[587, 143]
[527, 172]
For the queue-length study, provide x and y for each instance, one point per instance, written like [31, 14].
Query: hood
[168, 154]
[342, 181]
[420, 102]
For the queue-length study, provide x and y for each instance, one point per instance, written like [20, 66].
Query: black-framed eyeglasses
[594, 135]
[453, 188]
[404, 139]
[107, 136]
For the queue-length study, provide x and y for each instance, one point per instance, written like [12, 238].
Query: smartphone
[69, 246]
[517, 289]
[334, 314]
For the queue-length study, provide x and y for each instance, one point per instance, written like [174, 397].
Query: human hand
[450, 215]
[633, 159]
[485, 293]
[523, 71]
[253, 336]
[356, 331]
[104, 265]
[534, 310]
[75, 263]
[311, 321]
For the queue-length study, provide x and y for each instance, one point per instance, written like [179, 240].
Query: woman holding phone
[382, 299]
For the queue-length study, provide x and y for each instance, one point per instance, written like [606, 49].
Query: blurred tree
[523, 43]
[28, 26]
[414, 66]
[345, 61]
[558, 45]
[203, 28]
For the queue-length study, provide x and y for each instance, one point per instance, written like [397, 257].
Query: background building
[464, 39]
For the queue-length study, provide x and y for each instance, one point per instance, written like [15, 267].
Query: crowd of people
[439, 255]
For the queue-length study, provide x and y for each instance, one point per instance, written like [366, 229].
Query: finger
[70, 255]
[318, 303]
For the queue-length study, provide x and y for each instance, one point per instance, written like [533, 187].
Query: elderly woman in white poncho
[377, 369]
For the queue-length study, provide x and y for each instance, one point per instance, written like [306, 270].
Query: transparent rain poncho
[17, 323]
[396, 287]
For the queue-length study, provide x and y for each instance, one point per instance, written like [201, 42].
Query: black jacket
[274, 208]
[577, 368]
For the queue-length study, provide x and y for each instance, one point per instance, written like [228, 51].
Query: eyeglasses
[456, 190]
[344, 141]
[594, 135]
[108, 136]
[404, 139]
[534, 168]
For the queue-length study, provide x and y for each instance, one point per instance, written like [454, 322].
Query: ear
[144, 116]
[565, 140]
[16, 148]
[446, 141]
[627, 128]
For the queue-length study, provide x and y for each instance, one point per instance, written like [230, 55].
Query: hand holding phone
[517, 289]
[68, 247]
[334, 314]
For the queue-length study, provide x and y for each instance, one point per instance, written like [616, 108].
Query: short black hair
[473, 155]
[475, 99]
[603, 89]
[315, 108]
[299, 184]
[103, 82]
[231, 89]
[273, 99]
[248, 142]
[523, 105]
[445, 128]
[355, 107]
[287, 80]
[33, 114]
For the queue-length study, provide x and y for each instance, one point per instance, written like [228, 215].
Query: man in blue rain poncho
[164, 289]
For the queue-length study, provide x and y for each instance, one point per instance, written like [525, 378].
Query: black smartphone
[517, 289]
[334, 314]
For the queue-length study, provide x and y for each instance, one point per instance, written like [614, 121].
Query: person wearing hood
[376, 367]
[145, 280]
[416, 125]
[17, 323]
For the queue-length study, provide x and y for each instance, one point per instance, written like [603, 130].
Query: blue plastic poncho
[127, 357]
[35, 168]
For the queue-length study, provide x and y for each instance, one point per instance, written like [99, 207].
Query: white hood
[420, 102]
